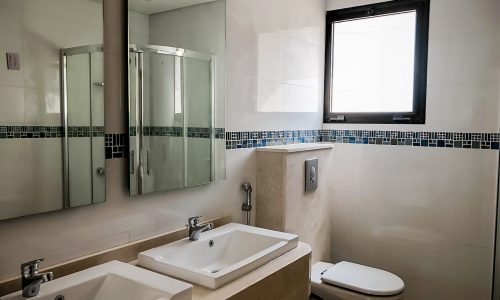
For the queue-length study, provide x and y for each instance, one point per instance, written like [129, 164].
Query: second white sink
[220, 255]
[112, 280]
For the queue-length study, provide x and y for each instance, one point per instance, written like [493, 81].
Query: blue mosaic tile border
[414, 138]
[254, 139]
[461, 140]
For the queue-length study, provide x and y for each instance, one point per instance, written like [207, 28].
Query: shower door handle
[132, 162]
[147, 163]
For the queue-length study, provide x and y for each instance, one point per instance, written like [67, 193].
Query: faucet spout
[32, 279]
[195, 229]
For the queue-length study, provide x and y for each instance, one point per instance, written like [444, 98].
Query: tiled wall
[427, 212]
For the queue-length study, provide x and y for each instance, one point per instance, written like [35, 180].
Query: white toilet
[349, 281]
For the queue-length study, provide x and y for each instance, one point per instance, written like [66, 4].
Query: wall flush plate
[13, 61]
[312, 175]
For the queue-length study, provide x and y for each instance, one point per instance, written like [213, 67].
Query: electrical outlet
[13, 61]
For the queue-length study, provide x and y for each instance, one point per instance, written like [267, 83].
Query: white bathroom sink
[112, 280]
[220, 255]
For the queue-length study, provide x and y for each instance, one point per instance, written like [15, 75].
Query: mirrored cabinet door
[52, 115]
[176, 94]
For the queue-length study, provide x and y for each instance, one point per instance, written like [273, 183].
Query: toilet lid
[363, 279]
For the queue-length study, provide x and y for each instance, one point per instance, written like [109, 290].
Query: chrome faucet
[195, 228]
[31, 279]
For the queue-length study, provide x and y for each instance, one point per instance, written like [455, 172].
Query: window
[376, 63]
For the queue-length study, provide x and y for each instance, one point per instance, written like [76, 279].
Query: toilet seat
[363, 279]
[329, 291]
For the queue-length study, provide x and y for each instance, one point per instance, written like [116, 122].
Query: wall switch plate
[13, 61]
[311, 175]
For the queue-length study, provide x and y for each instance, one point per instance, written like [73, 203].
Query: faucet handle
[30, 268]
[193, 221]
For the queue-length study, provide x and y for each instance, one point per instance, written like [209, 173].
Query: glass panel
[373, 64]
[79, 141]
[163, 147]
[98, 153]
[134, 124]
[198, 103]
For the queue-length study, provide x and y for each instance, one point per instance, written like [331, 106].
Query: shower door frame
[64, 53]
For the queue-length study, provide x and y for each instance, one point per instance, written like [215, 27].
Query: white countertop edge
[290, 148]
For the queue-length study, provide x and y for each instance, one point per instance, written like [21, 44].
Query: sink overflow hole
[59, 297]
[211, 244]
[214, 271]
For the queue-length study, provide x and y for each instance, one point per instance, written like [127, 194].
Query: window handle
[400, 118]
[339, 118]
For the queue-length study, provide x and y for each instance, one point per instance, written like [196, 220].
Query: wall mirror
[52, 115]
[176, 93]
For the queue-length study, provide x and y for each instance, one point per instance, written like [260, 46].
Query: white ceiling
[155, 6]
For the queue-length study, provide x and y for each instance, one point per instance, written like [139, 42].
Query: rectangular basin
[112, 280]
[220, 255]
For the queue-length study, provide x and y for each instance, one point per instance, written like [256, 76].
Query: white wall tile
[465, 267]
[36, 162]
[301, 63]
[271, 56]
[470, 17]
[474, 59]
[269, 96]
[11, 21]
[12, 103]
[300, 99]
[305, 20]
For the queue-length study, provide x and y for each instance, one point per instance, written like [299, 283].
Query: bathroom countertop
[290, 148]
[232, 288]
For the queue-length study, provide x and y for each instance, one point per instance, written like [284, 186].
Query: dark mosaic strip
[193, 132]
[413, 138]
[115, 145]
[198, 132]
[84, 131]
[36, 132]
[31, 132]
[253, 139]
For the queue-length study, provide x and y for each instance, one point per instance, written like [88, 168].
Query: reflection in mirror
[83, 102]
[176, 94]
[51, 121]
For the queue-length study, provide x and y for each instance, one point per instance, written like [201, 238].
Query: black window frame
[420, 64]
